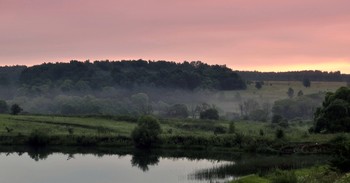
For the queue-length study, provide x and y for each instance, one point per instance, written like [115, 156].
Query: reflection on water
[84, 165]
[143, 159]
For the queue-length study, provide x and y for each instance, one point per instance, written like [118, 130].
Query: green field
[111, 126]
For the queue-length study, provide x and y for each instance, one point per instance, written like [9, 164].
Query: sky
[262, 35]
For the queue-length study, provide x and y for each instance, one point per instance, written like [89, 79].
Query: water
[138, 166]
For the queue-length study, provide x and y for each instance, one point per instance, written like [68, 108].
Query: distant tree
[178, 110]
[146, 133]
[290, 92]
[130, 74]
[292, 76]
[299, 107]
[67, 85]
[162, 108]
[141, 102]
[15, 109]
[4, 81]
[276, 119]
[211, 113]
[280, 121]
[82, 86]
[300, 93]
[248, 106]
[258, 85]
[200, 108]
[306, 82]
[68, 109]
[3, 106]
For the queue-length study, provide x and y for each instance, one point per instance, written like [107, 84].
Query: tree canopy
[334, 115]
[146, 133]
[211, 113]
[293, 76]
[77, 75]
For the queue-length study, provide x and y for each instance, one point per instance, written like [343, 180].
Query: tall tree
[15, 109]
[290, 92]
[334, 115]
[306, 82]
[3, 106]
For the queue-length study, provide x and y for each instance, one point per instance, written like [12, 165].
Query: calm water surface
[139, 167]
[60, 168]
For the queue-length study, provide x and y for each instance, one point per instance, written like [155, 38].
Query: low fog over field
[166, 89]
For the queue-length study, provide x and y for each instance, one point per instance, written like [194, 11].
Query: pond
[131, 166]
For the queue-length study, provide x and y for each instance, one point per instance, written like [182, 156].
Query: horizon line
[149, 60]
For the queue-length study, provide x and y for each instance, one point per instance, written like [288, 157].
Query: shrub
[219, 130]
[279, 134]
[258, 85]
[16, 109]
[38, 138]
[178, 111]
[284, 177]
[70, 130]
[276, 119]
[239, 139]
[231, 128]
[306, 82]
[261, 132]
[146, 133]
[210, 114]
[290, 92]
[341, 160]
[300, 93]
[259, 115]
[3, 106]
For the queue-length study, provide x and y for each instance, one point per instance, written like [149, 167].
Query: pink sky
[265, 35]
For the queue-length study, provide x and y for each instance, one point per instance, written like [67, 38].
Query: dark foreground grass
[318, 174]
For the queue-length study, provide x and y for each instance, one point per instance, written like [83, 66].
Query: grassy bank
[114, 131]
[108, 132]
[319, 174]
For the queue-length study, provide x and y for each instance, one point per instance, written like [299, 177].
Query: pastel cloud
[243, 34]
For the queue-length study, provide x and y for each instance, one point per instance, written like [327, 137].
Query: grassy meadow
[69, 128]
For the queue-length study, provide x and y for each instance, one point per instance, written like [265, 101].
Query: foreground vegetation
[318, 174]
[217, 136]
[116, 131]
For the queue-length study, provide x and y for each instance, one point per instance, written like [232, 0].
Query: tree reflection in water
[144, 158]
[227, 165]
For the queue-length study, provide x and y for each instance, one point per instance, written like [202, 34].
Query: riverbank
[114, 131]
[41, 136]
[316, 174]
